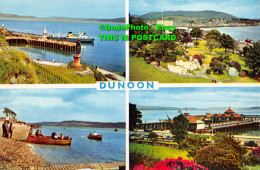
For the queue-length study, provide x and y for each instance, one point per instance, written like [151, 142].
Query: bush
[196, 43]
[235, 64]
[140, 53]
[208, 71]
[198, 58]
[138, 160]
[203, 56]
[132, 53]
[218, 67]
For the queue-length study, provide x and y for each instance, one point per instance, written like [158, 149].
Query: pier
[40, 41]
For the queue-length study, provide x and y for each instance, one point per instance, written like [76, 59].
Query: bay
[240, 33]
[109, 55]
[83, 150]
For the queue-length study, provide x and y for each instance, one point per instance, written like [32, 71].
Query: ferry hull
[83, 40]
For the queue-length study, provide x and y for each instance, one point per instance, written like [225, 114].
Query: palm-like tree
[9, 113]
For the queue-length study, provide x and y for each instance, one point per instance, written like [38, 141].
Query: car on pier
[251, 143]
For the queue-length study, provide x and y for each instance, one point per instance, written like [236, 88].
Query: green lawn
[253, 167]
[71, 76]
[159, 151]
[140, 71]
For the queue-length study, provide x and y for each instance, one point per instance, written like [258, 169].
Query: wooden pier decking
[100, 166]
[41, 41]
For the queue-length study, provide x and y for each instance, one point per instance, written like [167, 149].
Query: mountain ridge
[60, 19]
[74, 123]
[207, 14]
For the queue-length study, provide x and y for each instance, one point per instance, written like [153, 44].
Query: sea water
[109, 55]
[83, 150]
[240, 33]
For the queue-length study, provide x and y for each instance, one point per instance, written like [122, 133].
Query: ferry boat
[83, 37]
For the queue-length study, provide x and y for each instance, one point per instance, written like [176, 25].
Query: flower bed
[172, 164]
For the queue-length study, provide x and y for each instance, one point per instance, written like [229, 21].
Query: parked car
[148, 130]
[145, 137]
[135, 136]
[160, 137]
[250, 143]
[169, 138]
[111, 76]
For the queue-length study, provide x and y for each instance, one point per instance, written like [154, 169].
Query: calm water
[240, 33]
[156, 115]
[82, 150]
[109, 55]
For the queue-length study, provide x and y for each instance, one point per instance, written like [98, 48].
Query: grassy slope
[140, 71]
[71, 76]
[159, 151]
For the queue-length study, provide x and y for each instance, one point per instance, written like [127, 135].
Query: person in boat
[90, 134]
[40, 133]
[53, 135]
[37, 132]
[61, 136]
[95, 133]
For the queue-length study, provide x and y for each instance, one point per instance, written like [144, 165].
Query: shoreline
[15, 152]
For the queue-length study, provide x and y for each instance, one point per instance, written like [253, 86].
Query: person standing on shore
[11, 129]
[4, 129]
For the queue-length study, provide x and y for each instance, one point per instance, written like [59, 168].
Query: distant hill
[156, 108]
[199, 14]
[60, 19]
[83, 124]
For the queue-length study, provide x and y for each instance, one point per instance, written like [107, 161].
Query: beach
[15, 153]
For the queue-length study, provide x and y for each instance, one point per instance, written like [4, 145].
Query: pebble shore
[15, 153]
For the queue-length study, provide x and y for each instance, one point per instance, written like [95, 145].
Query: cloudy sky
[40, 105]
[198, 97]
[238, 8]
[65, 8]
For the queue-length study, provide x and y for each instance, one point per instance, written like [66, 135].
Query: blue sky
[65, 8]
[238, 8]
[198, 97]
[38, 105]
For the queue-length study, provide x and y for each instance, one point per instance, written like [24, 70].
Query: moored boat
[116, 130]
[96, 137]
[47, 140]
[82, 37]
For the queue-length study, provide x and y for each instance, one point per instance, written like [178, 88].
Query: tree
[217, 157]
[196, 32]
[135, 116]
[153, 136]
[218, 67]
[180, 127]
[213, 34]
[252, 57]
[196, 43]
[226, 42]
[211, 43]
[161, 47]
[186, 38]
[226, 153]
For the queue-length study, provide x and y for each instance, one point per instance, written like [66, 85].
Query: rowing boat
[96, 137]
[47, 140]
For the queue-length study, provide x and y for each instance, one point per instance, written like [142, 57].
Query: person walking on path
[11, 129]
[4, 129]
